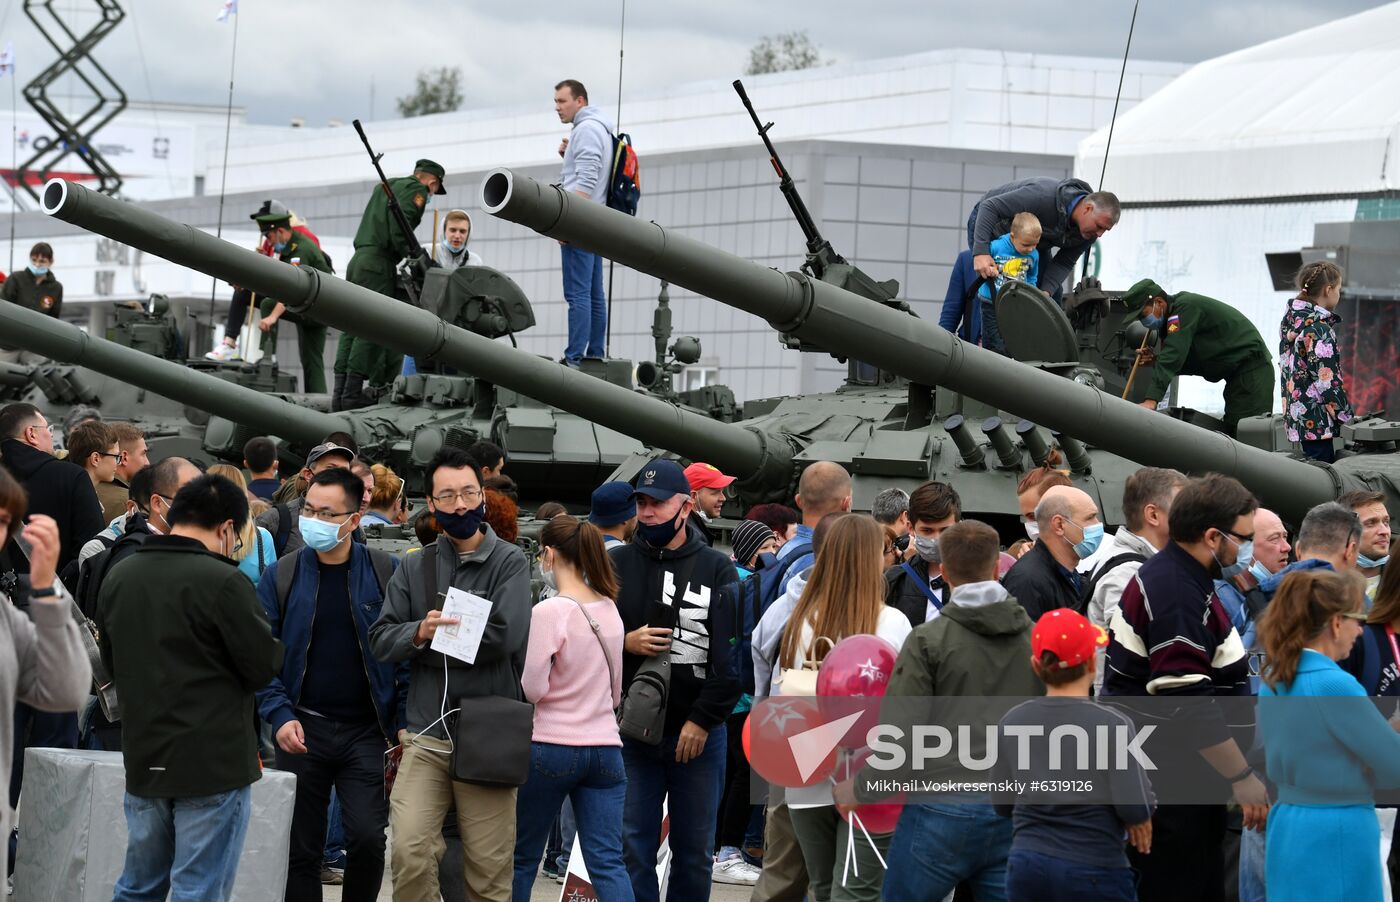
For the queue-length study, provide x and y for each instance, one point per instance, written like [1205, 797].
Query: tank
[939, 410]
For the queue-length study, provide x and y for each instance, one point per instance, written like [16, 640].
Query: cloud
[317, 60]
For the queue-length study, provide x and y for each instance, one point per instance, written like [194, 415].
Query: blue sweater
[1011, 264]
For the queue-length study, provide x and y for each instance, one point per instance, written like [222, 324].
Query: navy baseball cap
[612, 504]
[662, 479]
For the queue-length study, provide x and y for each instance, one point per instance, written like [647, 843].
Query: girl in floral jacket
[1315, 400]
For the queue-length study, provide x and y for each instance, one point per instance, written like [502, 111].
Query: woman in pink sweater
[573, 674]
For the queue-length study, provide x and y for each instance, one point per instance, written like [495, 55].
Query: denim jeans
[350, 758]
[991, 331]
[937, 847]
[588, 304]
[594, 780]
[188, 848]
[1033, 877]
[691, 792]
[1252, 866]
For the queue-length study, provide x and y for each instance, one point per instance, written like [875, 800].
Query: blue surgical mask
[1243, 558]
[38, 270]
[318, 534]
[279, 246]
[1367, 563]
[1093, 536]
[454, 251]
[1257, 571]
[1151, 321]
[927, 549]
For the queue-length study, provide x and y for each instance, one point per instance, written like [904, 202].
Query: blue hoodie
[588, 158]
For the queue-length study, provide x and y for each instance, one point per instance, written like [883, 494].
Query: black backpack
[1109, 566]
[93, 571]
[754, 596]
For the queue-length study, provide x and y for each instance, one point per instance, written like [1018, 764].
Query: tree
[435, 91]
[783, 52]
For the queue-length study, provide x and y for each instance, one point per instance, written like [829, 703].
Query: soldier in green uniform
[292, 247]
[379, 246]
[1200, 336]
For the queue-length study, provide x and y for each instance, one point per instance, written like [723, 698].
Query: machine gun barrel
[34, 331]
[415, 331]
[917, 349]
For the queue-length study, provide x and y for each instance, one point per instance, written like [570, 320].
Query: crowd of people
[600, 703]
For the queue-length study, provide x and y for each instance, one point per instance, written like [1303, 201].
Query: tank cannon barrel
[916, 349]
[417, 332]
[65, 342]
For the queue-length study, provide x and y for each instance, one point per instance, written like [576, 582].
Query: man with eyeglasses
[281, 519]
[57, 488]
[334, 707]
[93, 446]
[187, 645]
[469, 557]
[1172, 638]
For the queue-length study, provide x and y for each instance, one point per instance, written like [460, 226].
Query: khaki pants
[423, 792]
[784, 875]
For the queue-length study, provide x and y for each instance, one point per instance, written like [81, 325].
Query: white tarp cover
[73, 831]
[1314, 113]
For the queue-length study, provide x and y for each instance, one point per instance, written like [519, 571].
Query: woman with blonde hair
[255, 549]
[386, 504]
[1328, 756]
[844, 596]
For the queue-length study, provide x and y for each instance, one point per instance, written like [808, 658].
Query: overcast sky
[318, 59]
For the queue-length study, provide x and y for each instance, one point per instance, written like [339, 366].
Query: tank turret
[917, 350]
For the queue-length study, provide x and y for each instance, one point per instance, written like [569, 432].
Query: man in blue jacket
[335, 708]
[587, 170]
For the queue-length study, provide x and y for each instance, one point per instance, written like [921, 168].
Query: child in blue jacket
[1016, 258]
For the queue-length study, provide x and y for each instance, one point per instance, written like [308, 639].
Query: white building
[889, 154]
[1244, 155]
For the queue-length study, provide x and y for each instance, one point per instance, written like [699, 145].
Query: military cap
[432, 168]
[270, 207]
[274, 221]
[1137, 297]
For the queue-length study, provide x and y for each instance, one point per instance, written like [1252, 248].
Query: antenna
[1113, 119]
[617, 128]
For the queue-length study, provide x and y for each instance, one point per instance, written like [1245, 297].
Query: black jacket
[1040, 584]
[904, 595]
[61, 490]
[187, 643]
[704, 687]
[1049, 200]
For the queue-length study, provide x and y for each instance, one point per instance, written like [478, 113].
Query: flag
[7, 60]
[230, 8]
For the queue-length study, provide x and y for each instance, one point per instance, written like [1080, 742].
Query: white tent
[1315, 113]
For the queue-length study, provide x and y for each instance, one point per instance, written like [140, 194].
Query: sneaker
[563, 875]
[735, 871]
[550, 872]
[332, 876]
[224, 352]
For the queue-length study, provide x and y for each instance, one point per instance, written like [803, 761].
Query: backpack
[624, 183]
[284, 529]
[382, 561]
[754, 596]
[93, 571]
[1109, 566]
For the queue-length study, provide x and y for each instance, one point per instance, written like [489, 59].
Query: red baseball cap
[1069, 635]
[706, 476]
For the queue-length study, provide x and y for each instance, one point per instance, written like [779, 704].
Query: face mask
[1258, 571]
[454, 251]
[1093, 535]
[319, 535]
[1367, 563]
[927, 549]
[38, 270]
[1151, 321]
[462, 526]
[279, 246]
[661, 534]
[1243, 558]
[549, 578]
[1032, 530]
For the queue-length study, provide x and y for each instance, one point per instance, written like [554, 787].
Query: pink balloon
[857, 666]
[876, 817]
[1004, 562]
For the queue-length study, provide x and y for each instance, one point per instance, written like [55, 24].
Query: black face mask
[661, 534]
[462, 526]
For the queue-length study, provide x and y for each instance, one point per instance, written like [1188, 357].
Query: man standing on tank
[379, 246]
[587, 154]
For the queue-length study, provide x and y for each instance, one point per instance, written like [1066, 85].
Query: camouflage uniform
[311, 335]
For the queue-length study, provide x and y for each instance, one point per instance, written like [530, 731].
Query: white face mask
[1032, 530]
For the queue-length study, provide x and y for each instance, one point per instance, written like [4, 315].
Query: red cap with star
[1069, 635]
